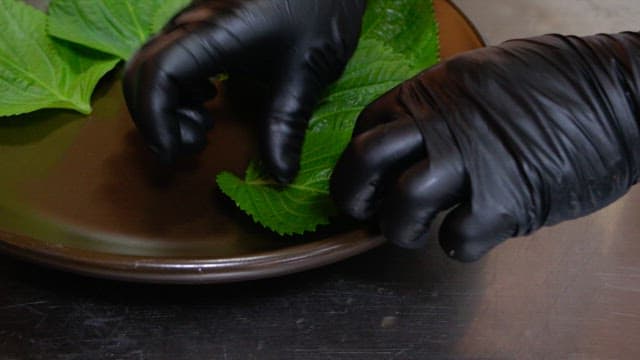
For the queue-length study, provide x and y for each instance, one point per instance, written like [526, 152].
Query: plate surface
[83, 194]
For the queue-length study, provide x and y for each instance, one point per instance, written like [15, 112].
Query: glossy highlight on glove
[513, 137]
[294, 48]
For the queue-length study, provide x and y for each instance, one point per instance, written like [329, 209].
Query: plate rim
[190, 270]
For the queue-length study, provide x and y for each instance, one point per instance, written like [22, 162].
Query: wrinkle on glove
[550, 130]
[514, 137]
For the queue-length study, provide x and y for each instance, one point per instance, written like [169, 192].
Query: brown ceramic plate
[84, 195]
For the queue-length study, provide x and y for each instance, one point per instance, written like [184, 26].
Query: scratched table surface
[568, 292]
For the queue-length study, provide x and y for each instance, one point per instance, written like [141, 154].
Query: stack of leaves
[56, 60]
[399, 39]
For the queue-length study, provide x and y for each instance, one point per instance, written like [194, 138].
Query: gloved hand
[295, 47]
[526, 134]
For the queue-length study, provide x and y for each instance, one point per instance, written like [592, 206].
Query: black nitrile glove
[526, 134]
[295, 47]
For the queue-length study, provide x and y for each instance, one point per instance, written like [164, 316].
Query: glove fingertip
[466, 251]
[282, 156]
[467, 236]
[164, 142]
[164, 155]
[282, 136]
[415, 243]
[193, 138]
[460, 245]
[284, 173]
